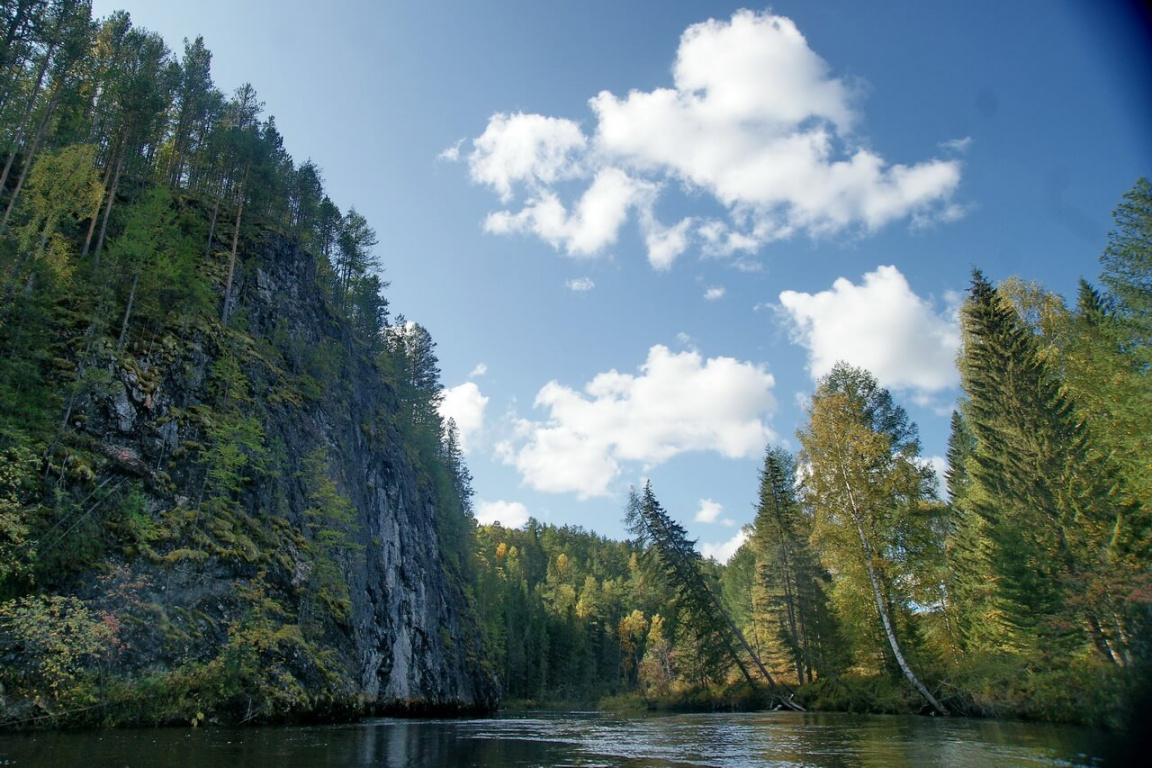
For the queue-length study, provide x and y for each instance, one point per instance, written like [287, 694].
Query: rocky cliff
[266, 540]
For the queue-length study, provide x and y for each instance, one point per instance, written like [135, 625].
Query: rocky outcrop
[409, 640]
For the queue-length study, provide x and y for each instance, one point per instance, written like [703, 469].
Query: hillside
[225, 490]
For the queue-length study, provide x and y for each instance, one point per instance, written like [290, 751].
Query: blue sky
[638, 230]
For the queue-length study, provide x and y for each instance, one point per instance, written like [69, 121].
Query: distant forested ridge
[226, 493]
[1024, 589]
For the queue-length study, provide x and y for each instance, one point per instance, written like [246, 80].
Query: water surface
[579, 739]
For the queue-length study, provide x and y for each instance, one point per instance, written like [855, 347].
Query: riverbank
[1086, 694]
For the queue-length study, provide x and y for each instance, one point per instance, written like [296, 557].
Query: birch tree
[863, 483]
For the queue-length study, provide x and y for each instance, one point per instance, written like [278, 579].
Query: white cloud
[580, 284]
[753, 118]
[679, 402]
[709, 511]
[880, 325]
[957, 145]
[664, 244]
[478, 371]
[533, 150]
[466, 405]
[723, 551]
[510, 514]
[452, 153]
[714, 293]
[593, 225]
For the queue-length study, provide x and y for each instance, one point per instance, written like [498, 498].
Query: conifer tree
[1052, 506]
[788, 597]
[674, 555]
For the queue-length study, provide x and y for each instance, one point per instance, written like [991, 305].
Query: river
[578, 739]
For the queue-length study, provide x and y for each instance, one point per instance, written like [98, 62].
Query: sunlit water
[579, 739]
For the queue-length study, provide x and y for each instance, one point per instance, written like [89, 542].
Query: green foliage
[1055, 522]
[62, 187]
[333, 523]
[789, 613]
[17, 504]
[59, 637]
[674, 558]
[867, 491]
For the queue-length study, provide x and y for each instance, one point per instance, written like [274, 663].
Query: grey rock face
[411, 641]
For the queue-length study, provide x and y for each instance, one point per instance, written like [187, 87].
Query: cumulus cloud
[478, 371]
[664, 244]
[753, 118]
[580, 284]
[465, 404]
[590, 227]
[531, 150]
[510, 514]
[678, 402]
[714, 293]
[723, 551]
[880, 325]
[709, 511]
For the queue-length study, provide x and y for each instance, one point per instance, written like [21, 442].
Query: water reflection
[578, 739]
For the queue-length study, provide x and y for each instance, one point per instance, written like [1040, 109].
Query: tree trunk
[27, 114]
[221, 194]
[28, 158]
[18, 20]
[108, 210]
[128, 312]
[232, 257]
[99, 205]
[881, 607]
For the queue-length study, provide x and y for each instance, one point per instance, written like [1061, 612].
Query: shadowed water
[579, 739]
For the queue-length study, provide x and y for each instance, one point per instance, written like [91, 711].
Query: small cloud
[580, 284]
[714, 293]
[464, 404]
[479, 370]
[709, 511]
[723, 551]
[957, 145]
[664, 243]
[452, 153]
[510, 514]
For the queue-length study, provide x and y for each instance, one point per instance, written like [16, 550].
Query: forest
[1021, 588]
[134, 192]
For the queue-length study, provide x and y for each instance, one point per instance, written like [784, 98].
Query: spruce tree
[788, 596]
[1051, 506]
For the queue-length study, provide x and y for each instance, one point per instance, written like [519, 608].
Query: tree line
[1025, 588]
